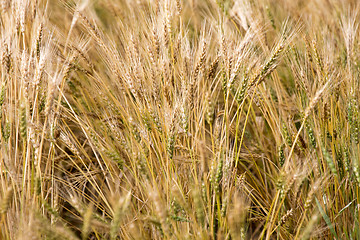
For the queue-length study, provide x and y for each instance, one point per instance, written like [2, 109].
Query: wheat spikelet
[284, 218]
[218, 174]
[316, 98]
[4, 5]
[23, 121]
[198, 204]
[171, 137]
[178, 7]
[269, 66]
[119, 211]
[210, 108]
[39, 70]
[212, 69]
[6, 200]
[160, 211]
[237, 218]
[87, 223]
[6, 57]
[38, 41]
[2, 93]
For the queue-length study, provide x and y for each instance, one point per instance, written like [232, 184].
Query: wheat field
[179, 119]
